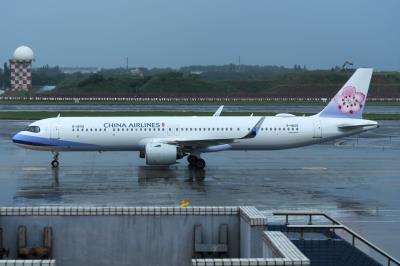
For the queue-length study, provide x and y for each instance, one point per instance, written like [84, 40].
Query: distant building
[83, 70]
[137, 72]
[21, 69]
[196, 72]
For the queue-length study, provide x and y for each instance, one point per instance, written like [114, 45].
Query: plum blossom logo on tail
[349, 100]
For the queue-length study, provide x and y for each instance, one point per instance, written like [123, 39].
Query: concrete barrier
[120, 235]
[147, 236]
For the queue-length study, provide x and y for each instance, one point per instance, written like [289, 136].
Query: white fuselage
[133, 133]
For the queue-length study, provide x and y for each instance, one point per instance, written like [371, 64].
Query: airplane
[164, 140]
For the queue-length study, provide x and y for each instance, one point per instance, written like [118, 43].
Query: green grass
[42, 115]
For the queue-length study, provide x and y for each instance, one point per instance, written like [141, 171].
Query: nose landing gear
[196, 162]
[55, 162]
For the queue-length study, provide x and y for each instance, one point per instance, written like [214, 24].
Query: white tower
[21, 69]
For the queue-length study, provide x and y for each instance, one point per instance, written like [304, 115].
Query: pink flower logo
[350, 101]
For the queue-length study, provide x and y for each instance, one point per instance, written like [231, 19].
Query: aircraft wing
[195, 143]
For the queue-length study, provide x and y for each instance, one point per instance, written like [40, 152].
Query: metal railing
[334, 226]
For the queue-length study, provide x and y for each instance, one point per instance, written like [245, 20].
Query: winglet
[254, 131]
[219, 111]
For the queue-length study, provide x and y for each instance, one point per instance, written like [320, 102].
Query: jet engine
[162, 154]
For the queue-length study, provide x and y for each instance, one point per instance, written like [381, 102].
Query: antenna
[127, 63]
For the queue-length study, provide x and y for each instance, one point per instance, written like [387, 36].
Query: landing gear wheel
[200, 163]
[54, 163]
[192, 159]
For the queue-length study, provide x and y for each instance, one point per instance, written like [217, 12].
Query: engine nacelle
[161, 154]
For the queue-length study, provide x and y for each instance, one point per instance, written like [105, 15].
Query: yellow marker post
[184, 203]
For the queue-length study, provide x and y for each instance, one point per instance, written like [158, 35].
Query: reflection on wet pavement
[355, 179]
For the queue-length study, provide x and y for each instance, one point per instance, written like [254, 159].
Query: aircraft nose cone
[16, 137]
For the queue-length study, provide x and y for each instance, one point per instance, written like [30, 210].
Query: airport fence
[178, 99]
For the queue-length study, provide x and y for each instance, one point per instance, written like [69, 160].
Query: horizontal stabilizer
[354, 126]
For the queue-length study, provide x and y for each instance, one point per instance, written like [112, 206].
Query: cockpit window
[34, 129]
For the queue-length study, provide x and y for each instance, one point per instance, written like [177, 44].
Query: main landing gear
[196, 162]
[55, 162]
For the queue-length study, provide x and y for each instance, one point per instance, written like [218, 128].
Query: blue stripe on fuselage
[39, 141]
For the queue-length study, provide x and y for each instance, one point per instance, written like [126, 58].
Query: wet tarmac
[356, 180]
[308, 109]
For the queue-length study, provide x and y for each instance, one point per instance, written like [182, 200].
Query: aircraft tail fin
[349, 102]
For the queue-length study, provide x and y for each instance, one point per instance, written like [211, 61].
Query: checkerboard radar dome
[21, 75]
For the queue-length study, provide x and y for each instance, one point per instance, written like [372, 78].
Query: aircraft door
[55, 131]
[317, 129]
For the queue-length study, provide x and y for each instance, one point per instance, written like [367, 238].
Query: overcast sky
[161, 33]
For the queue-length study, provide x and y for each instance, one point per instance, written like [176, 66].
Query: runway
[355, 180]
